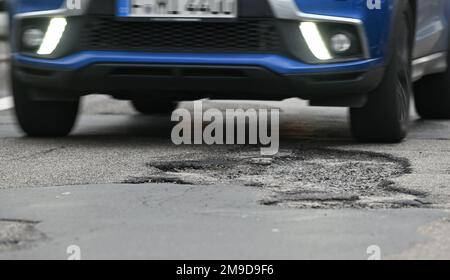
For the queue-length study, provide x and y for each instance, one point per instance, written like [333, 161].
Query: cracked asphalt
[119, 189]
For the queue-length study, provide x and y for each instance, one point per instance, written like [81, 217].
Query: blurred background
[3, 27]
[5, 102]
[4, 53]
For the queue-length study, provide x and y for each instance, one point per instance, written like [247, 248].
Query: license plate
[178, 8]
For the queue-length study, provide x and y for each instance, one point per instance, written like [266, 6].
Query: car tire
[43, 118]
[432, 96]
[385, 117]
[150, 106]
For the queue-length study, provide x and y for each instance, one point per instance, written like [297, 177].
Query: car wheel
[43, 118]
[432, 96]
[150, 106]
[385, 117]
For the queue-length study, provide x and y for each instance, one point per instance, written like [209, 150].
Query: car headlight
[32, 38]
[341, 43]
[332, 41]
[41, 36]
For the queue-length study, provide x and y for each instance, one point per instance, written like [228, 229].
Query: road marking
[6, 103]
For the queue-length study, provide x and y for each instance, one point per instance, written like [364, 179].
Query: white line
[6, 103]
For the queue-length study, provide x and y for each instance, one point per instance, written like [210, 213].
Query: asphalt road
[118, 188]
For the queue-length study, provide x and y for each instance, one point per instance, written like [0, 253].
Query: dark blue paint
[24, 6]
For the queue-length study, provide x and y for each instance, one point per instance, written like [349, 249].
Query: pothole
[310, 178]
[18, 234]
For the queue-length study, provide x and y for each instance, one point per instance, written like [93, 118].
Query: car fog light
[340, 43]
[32, 38]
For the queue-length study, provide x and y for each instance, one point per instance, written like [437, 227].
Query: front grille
[107, 33]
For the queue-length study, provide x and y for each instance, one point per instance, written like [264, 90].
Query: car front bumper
[266, 56]
[187, 76]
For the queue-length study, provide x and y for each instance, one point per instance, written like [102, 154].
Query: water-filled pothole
[310, 178]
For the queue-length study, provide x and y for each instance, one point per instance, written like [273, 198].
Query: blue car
[371, 56]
